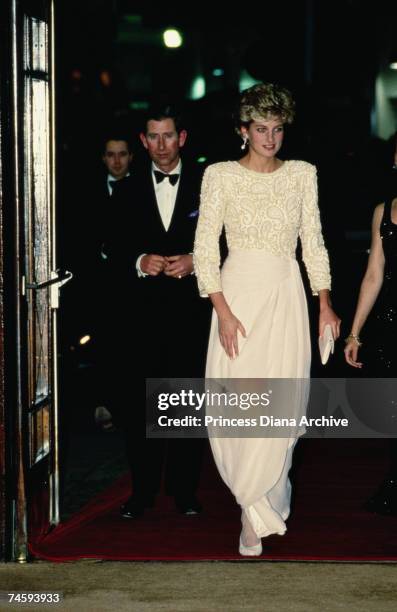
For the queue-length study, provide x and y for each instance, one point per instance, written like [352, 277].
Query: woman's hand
[228, 326]
[328, 317]
[351, 352]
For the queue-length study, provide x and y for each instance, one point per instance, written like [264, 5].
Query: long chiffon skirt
[265, 292]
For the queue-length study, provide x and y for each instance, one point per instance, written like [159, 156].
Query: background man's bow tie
[160, 176]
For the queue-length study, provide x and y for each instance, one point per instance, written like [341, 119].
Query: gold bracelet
[355, 337]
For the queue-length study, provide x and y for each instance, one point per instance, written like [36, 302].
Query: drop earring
[245, 142]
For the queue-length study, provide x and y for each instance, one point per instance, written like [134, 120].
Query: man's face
[117, 158]
[163, 143]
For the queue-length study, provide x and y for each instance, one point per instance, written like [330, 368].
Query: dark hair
[158, 112]
[116, 136]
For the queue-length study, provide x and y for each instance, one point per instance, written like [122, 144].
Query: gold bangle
[355, 337]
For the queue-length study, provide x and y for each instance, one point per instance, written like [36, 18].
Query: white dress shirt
[166, 194]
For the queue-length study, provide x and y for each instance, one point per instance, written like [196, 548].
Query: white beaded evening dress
[263, 215]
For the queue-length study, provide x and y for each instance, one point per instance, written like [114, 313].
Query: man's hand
[153, 264]
[178, 266]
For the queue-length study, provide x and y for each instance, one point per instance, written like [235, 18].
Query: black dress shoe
[384, 501]
[188, 505]
[135, 507]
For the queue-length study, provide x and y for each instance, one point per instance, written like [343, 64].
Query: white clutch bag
[326, 344]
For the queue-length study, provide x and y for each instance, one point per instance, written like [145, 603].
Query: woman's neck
[260, 164]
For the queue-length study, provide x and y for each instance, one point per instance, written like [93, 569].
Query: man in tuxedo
[117, 157]
[162, 319]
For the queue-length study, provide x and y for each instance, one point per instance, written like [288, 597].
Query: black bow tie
[160, 176]
[111, 183]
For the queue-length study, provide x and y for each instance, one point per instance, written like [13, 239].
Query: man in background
[117, 156]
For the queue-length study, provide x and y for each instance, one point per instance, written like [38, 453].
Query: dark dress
[383, 361]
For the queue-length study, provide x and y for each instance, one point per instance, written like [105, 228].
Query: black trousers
[170, 340]
[178, 460]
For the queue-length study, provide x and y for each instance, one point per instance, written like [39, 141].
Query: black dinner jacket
[138, 228]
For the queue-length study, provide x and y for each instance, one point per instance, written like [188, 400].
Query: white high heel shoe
[250, 551]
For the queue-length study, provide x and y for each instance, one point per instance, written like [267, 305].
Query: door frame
[14, 384]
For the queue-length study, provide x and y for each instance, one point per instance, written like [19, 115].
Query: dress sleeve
[206, 255]
[314, 253]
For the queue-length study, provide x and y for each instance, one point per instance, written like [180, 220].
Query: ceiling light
[172, 39]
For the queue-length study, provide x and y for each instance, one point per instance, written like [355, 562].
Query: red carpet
[332, 479]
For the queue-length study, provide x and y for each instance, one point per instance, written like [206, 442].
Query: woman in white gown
[260, 324]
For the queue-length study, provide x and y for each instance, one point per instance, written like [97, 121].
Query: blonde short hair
[264, 101]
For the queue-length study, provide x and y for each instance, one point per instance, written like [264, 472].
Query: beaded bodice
[260, 211]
